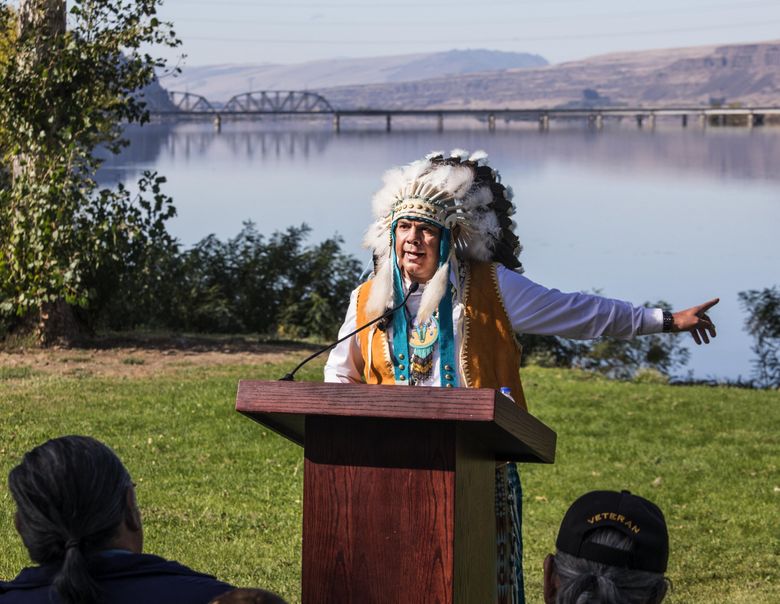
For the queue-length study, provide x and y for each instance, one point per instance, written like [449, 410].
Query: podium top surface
[512, 433]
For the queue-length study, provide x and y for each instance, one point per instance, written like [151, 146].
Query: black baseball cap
[637, 518]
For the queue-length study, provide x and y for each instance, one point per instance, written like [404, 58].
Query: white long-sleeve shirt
[532, 309]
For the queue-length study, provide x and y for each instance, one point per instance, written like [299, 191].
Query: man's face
[417, 249]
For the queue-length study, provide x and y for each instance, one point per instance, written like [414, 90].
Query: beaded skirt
[509, 540]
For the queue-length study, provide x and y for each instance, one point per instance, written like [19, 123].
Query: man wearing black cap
[612, 549]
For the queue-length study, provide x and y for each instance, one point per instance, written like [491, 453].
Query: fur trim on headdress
[381, 297]
[433, 293]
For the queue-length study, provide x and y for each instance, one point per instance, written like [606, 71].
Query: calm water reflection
[680, 215]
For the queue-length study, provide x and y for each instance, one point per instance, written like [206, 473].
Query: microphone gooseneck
[290, 377]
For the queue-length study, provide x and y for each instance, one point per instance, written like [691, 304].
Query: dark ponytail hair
[71, 496]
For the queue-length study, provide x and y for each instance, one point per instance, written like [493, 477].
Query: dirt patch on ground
[139, 356]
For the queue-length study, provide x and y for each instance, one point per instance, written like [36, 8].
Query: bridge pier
[651, 120]
[388, 123]
[492, 122]
[751, 120]
[685, 120]
[544, 122]
[703, 119]
[595, 121]
[440, 122]
[218, 123]
[336, 123]
[640, 120]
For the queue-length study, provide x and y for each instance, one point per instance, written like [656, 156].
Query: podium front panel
[396, 511]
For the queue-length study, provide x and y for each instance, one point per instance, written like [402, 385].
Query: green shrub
[763, 323]
[247, 284]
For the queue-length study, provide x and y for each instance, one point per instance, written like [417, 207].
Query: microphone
[289, 377]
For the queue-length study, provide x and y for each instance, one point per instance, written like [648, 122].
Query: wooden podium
[398, 485]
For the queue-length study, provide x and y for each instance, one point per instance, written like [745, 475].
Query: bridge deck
[606, 112]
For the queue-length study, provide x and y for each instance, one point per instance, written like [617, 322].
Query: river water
[682, 215]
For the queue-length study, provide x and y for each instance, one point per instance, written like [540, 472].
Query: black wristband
[668, 323]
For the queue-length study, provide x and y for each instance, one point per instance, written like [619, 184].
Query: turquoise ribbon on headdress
[401, 357]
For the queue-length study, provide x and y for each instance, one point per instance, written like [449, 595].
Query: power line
[438, 4]
[569, 17]
[320, 5]
[493, 40]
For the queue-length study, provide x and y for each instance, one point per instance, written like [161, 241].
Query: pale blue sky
[279, 31]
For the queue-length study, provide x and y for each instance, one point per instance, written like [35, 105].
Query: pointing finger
[702, 308]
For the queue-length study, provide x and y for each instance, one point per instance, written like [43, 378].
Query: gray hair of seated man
[71, 496]
[583, 581]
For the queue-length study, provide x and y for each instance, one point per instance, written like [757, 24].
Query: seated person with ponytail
[612, 549]
[78, 518]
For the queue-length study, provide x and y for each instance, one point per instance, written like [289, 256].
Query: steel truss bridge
[293, 103]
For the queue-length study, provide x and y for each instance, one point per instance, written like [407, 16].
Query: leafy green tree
[64, 93]
[8, 27]
[763, 323]
[551, 351]
[625, 359]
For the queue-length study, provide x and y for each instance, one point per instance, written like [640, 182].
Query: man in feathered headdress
[445, 223]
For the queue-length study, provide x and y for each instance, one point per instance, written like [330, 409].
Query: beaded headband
[419, 208]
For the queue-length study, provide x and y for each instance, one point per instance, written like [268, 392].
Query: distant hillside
[155, 96]
[220, 82]
[748, 73]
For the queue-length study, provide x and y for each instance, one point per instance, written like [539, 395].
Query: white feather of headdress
[436, 179]
[489, 225]
[433, 293]
[459, 181]
[479, 157]
[462, 153]
[377, 238]
[416, 169]
[480, 197]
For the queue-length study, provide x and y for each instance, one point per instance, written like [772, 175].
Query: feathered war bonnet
[462, 195]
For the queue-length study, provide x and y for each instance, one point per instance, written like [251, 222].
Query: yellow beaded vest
[490, 351]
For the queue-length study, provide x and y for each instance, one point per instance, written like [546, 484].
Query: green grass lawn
[223, 495]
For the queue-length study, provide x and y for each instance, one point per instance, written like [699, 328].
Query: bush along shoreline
[282, 289]
[251, 283]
